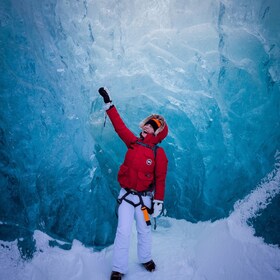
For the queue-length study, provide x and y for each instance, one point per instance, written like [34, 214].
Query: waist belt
[134, 192]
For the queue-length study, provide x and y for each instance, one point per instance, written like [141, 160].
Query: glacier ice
[211, 69]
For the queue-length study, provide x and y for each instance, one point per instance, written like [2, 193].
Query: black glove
[102, 91]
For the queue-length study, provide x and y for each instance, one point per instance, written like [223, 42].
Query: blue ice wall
[212, 69]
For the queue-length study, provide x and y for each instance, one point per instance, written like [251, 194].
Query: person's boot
[150, 266]
[116, 275]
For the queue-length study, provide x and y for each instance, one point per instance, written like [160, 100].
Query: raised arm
[124, 133]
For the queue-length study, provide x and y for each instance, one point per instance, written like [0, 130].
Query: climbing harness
[146, 211]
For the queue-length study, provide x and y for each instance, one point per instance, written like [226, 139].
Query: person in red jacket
[142, 179]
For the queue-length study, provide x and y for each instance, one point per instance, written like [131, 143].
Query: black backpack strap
[154, 148]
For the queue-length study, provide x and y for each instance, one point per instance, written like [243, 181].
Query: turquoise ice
[212, 69]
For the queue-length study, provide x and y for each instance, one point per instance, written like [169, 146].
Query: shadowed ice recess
[211, 69]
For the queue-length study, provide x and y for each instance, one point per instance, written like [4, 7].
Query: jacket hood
[160, 133]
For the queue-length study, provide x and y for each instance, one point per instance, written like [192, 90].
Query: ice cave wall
[212, 69]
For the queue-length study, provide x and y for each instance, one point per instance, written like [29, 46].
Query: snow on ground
[182, 250]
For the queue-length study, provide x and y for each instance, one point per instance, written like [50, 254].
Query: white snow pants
[126, 215]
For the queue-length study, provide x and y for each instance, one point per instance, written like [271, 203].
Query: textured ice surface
[212, 69]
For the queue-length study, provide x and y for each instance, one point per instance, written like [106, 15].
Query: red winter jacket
[139, 166]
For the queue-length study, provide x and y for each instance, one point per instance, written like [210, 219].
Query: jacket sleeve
[124, 133]
[160, 172]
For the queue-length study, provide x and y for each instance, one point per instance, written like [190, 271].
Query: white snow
[181, 250]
